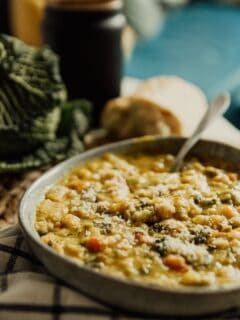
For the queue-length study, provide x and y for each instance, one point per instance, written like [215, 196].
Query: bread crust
[184, 99]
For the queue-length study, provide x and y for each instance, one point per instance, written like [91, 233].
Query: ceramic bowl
[126, 294]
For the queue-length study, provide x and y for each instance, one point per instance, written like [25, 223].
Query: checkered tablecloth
[27, 292]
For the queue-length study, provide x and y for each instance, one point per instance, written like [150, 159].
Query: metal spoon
[218, 107]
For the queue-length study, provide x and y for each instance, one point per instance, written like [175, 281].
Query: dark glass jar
[4, 16]
[87, 37]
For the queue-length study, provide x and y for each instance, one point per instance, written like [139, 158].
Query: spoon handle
[216, 108]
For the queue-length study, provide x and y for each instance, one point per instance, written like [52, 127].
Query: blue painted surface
[200, 43]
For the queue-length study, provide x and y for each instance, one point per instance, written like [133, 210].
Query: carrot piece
[232, 176]
[139, 237]
[95, 245]
[176, 263]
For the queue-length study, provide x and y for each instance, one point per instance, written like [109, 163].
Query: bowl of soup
[114, 223]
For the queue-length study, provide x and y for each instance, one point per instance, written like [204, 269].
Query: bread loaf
[164, 106]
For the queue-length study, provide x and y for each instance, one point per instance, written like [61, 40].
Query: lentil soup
[126, 215]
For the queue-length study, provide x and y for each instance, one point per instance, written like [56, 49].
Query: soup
[127, 216]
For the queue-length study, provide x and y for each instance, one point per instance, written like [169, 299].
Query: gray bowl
[128, 295]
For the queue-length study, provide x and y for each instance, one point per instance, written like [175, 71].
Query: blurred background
[197, 40]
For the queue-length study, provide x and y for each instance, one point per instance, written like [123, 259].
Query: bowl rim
[112, 147]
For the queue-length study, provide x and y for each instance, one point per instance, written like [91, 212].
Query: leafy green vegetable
[73, 124]
[37, 125]
[30, 90]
